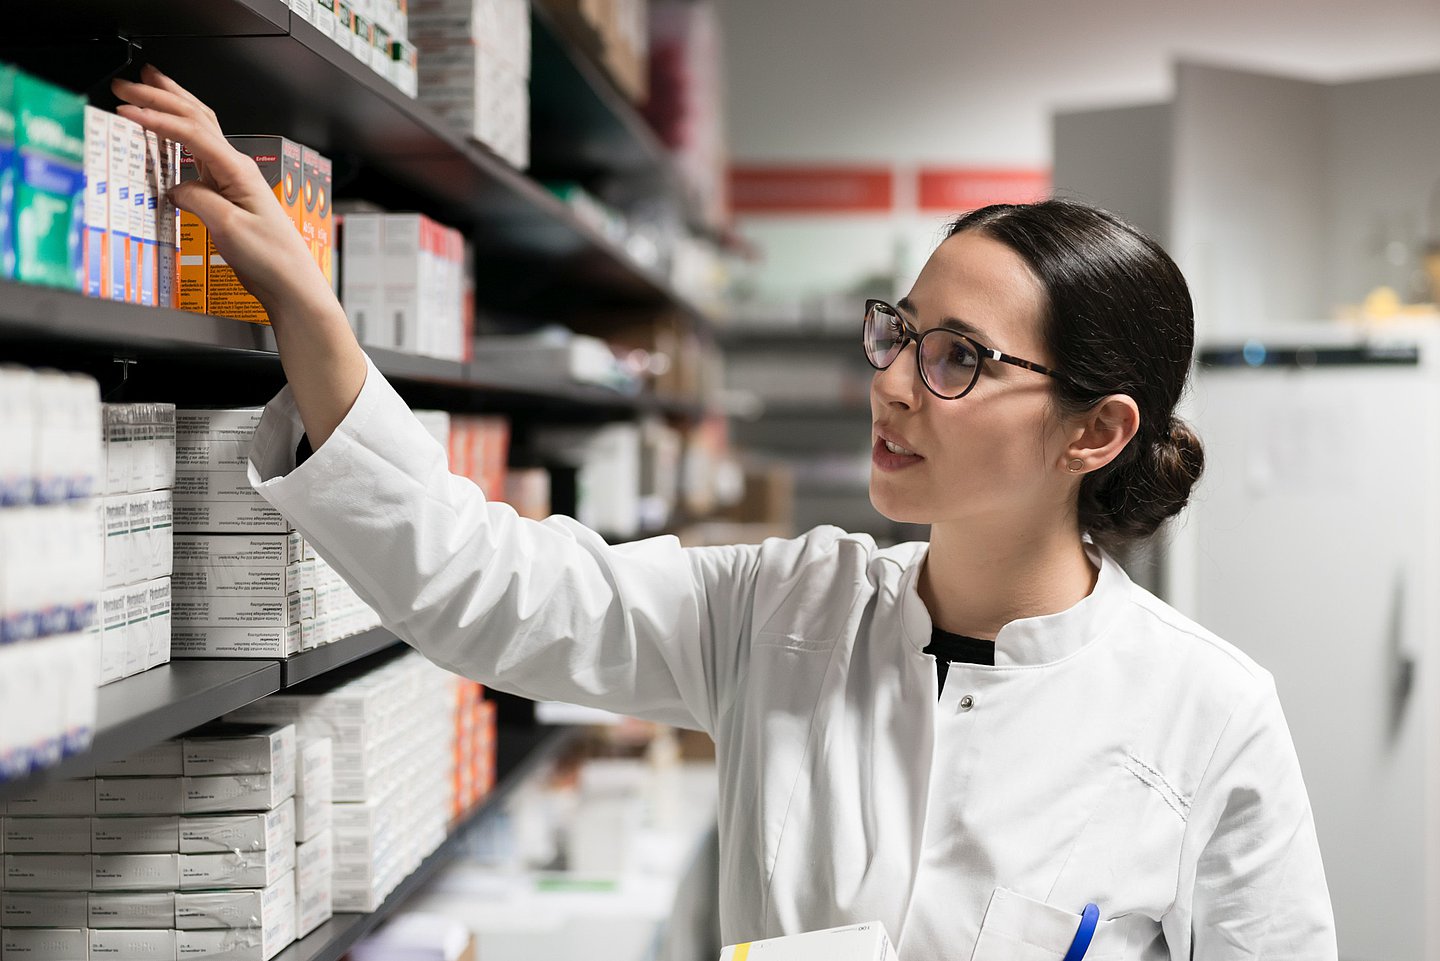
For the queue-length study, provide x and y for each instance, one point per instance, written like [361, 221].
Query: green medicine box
[49, 188]
[7, 170]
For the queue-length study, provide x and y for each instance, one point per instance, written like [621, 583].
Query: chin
[894, 507]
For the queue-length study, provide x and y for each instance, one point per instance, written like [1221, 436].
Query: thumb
[202, 200]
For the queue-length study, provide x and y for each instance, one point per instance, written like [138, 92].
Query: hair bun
[1143, 491]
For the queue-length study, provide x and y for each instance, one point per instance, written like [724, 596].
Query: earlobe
[1106, 430]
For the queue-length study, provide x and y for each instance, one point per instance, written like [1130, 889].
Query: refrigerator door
[1314, 530]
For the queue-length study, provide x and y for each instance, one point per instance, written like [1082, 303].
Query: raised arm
[322, 360]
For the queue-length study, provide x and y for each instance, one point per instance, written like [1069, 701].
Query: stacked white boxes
[393, 749]
[372, 31]
[475, 69]
[404, 284]
[137, 521]
[245, 584]
[50, 566]
[315, 850]
[185, 850]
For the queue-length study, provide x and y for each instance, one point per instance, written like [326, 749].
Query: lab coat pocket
[1017, 928]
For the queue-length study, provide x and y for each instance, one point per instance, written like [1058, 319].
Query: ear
[1099, 435]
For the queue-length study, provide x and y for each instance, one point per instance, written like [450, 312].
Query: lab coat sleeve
[1259, 885]
[545, 609]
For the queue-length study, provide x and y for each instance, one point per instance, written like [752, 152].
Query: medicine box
[266, 642]
[140, 795]
[193, 246]
[239, 832]
[97, 203]
[136, 872]
[318, 218]
[63, 798]
[279, 160]
[45, 944]
[239, 792]
[49, 188]
[314, 787]
[164, 759]
[58, 835]
[191, 611]
[853, 942]
[243, 581]
[249, 945]
[249, 517]
[132, 945]
[135, 835]
[213, 485]
[241, 749]
[139, 193]
[240, 910]
[7, 170]
[149, 214]
[132, 909]
[205, 551]
[314, 877]
[204, 426]
[47, 872]
[119, 190]
[43, 909]
[237, 869]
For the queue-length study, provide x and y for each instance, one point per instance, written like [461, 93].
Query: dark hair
[1119, 321]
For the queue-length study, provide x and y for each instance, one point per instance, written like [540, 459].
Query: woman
[970, 740]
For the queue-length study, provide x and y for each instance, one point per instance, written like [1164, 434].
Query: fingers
[152, 75]
[203, 201]
[154, 98]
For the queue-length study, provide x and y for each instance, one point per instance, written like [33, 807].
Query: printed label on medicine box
[313, 815]
[59, 835]
[237, 869]
[250, 945]
[264, 642]
[150, 216]
[49, 909]
[159, 622]
[216, 517]
[135, 835]
[136, 872]
[194, 244]
[238, 792]
[139, 196]
[97, 202]
[140, 795]
[164, 759]
[45, 944]
[123, 945]
[241, 749]
[213, 485]
[279, 161]
[317, 220]
[119, 216]
[137, 635]
[239, 832]
[239, 910]
[49, 194]
[63, 798]
[188, 611]
[47, 872]
[229, 550]
[239, 581]
[315, 767]
[167, 226]
[148, 909]
[198, 426]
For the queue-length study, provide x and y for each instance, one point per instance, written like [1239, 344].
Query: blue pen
[1089, 918]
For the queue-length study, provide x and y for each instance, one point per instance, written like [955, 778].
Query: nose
[899, 384]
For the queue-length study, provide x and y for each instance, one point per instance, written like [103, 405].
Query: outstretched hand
[247, 224]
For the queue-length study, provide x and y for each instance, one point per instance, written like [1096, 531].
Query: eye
[962, 354]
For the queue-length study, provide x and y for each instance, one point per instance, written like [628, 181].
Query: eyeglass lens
[948, 361]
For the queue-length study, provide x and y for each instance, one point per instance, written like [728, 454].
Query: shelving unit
[265, 71]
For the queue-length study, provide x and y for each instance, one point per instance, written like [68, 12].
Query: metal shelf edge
[313, 663]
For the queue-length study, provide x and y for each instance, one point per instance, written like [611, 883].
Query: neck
[978, 578]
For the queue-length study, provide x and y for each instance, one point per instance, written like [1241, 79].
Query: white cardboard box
[135, 835]
[140, 795]
[157, 760]
[851, 942]
[200, 426]
[314, 787]
[132, 945]
[238, 832]
[189, 611]
[136, 872]
[242, 749]
[314, 883]
[46, 944]
[66, 835]
[64, 798]
[233, 580]
[231, 550]
[238, 517]
[266, 642]
[238, 910]
[230, 793]
[47, 872]
[46, 909]
[249, 945]
[237, 869]
[214, 485]
[150, 909]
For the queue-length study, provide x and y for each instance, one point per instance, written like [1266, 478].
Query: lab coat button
[967, 702]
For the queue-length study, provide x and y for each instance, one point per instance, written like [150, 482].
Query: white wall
[975, 82]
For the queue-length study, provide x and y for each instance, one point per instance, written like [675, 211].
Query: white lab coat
[1116, 753]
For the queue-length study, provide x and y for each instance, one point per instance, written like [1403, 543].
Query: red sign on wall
[957, 189]
[811, 190]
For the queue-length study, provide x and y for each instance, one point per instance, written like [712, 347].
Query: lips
[891, 453]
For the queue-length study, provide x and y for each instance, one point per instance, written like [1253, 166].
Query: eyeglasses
[949, 361]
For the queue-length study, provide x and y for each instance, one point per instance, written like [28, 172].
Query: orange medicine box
[279, 160]
[194, 242]
[319, 215]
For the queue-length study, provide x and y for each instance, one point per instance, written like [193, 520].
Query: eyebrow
[953, 323]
